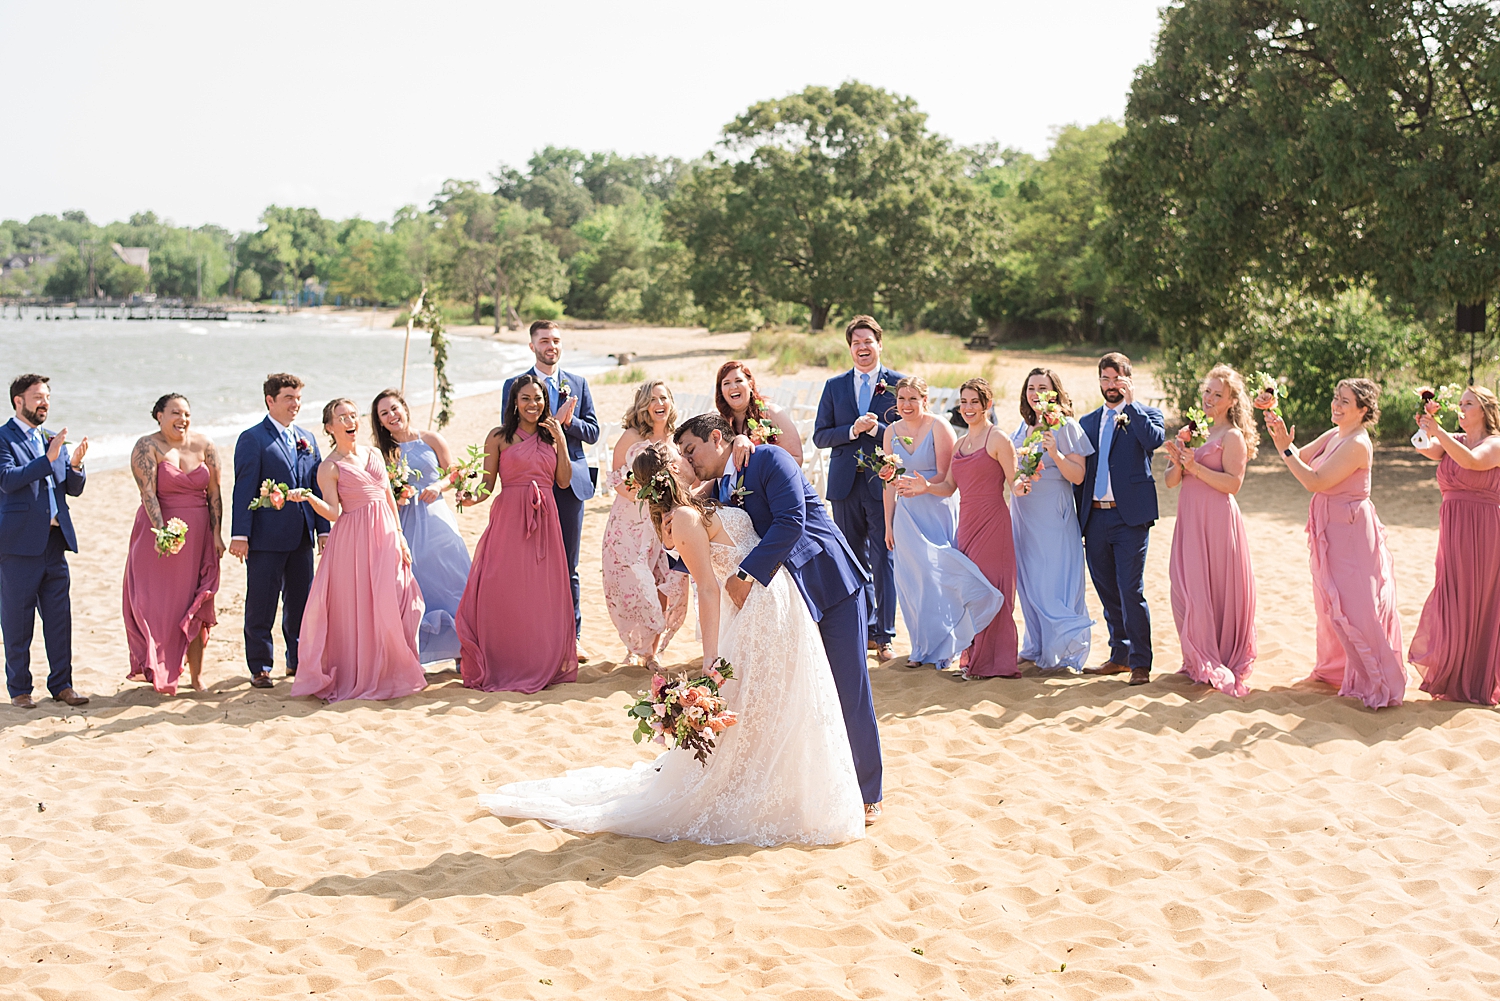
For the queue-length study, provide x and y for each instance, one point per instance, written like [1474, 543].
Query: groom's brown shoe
[1108, 667]
[262, 679]
[71, 697]
[1140, 676]
[23, 702]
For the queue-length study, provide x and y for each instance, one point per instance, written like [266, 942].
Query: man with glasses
[1116, 509]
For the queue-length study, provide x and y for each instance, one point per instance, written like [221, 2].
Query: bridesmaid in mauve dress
[359, 630]
[647, 600]
[1354, 585]
[169, 599]
[1457, 645]
[439, 558]
[516, 618]
[1049, 544]
[945, 599]
[983, 462]
[1213, 586]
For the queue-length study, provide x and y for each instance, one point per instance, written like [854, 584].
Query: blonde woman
[647, 601]
[1213, 587]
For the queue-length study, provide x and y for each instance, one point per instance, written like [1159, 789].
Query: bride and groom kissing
[781, 597]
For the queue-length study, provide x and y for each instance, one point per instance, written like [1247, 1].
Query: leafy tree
[287, 250]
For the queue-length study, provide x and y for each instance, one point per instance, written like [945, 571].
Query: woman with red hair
[740, 404]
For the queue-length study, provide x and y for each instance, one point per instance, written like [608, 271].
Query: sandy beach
[1046, 837]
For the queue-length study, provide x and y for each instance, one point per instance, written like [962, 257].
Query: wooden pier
[121, 309]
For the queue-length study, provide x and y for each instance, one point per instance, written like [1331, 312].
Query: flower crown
[655, 489]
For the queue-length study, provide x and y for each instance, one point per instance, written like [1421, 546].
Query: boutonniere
[881, 386]
[304, 447]
[1122, 420]
[739, 493]
[563, 389]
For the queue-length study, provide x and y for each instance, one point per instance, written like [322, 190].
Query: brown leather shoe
[884, 652]
[872, 813]
[1140, 676]
[262, 679]
[71, 697]
[23, 702]
[1108, 667]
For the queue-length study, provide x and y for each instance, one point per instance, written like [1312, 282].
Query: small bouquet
[1434, 403]
[1195, 431]
[762, 432]
[272, 495]
[691, 712]
[1049, 417]
[884, 464]
[403, 479]
[467, 478]
[1269, 392]
[171, 539]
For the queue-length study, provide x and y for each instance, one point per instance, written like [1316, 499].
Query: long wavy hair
[659, 486]
[638, 417]
[384, 440]
[755, 410]
[1489, 406]
[510, 421]
[1063, 399]
[1240, 414]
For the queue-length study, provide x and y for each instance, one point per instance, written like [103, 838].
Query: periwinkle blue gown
[945, 599]
[439, 558]
[1049, 559]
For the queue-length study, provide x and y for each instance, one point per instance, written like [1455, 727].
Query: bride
[784, 771]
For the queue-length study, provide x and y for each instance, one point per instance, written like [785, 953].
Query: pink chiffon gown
[986, 538]
[1457, 645]
[359, 630]
[1213, 588]
[636, 575]
[515, 622]
[1354, 593]
[169, 600]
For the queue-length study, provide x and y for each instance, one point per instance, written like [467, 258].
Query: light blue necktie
[1106, 434]
[552, 391]
[864, 393]
[41, 449]
[726, 487]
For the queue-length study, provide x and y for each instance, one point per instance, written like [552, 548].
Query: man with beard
[1116, 509]
[37, 476]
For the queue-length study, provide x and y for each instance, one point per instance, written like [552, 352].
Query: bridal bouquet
[171, 539]
[467, 478]
[1269, 392]
[884, 464]
[1436, 402]
[1049, 417]
[691, 712]
[1195, 431]
[272, 495]
[762, 432]
[403, 479]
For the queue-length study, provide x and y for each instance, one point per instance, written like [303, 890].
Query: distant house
[138, 257]
[20, 262]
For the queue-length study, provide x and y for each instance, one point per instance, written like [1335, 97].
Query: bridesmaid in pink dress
[359, 630]
[1354, 584]
[169, 599]
[515, 621]
[984, 460]
[1457, 645]
[1213, 587]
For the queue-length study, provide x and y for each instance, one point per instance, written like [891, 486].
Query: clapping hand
[55, 446]
[1280, 435]
[554, 428]
[865, 424]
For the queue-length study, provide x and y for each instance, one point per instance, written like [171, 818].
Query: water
[106, 374]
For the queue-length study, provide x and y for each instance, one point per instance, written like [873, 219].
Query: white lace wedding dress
[783, 773]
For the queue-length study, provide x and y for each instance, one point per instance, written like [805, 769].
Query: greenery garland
[429, 317]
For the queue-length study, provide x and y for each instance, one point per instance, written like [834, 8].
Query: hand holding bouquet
[692, 713]
[171, 539]
[467, 478]
[1269, 392]
[1049, 416]
[272, 495]
[1435, 402]
[1195, 431]
[403, 479]
[884, 465]
[762, 432]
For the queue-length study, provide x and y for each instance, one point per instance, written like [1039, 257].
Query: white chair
[602, 456]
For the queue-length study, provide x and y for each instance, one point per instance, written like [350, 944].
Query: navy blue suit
[856, 495]
[33, 564]
[796, 533]
[582, 430]
[1115, 539]
[280, 564]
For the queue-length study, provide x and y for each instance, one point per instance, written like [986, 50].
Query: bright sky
[207, 112]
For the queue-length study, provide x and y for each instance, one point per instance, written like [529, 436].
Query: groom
[796, 532]
[277, 546]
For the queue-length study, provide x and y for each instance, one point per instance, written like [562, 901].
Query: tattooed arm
[143, 460]
[215, 497]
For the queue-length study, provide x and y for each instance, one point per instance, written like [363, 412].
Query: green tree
[287, 249]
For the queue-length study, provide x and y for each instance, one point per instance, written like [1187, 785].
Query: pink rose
[1185, 435]
[887, 473]
[1264, 400]
[1432, 406]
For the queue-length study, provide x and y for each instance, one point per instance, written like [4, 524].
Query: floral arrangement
[467, 478]
[881, 386]
[171, 539]
[691, 712]
[762, 432]
[1270, 392]
[403, 479]
[272, 495]
[1436, 402]
[1049, 417]
[563, 390]
[304, 447]
[1195, 431]
[884, 465]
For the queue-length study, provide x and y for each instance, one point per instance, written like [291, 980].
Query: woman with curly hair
[1354, 580]
[1213, 587]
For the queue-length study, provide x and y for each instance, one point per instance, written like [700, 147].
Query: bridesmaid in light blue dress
[1049, 544]
[945, 599]
[440, 560]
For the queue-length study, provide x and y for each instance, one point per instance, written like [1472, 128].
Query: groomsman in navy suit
[277, 546]
[37, 476]
[1116, 508]
[853, 413]
[573, 406]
